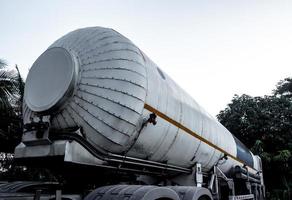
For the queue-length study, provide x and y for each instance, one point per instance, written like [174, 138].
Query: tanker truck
[97, 109]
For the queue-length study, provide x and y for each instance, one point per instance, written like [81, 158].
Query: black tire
[132, 192]
[205, 197]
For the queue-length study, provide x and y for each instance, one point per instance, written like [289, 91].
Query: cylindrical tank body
[99, 80]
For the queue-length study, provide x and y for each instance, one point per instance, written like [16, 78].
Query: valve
[152, 119]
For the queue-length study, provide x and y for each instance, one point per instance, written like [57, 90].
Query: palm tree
[11, 95]
[8, 88]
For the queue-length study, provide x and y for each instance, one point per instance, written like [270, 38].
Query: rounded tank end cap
[51, 80]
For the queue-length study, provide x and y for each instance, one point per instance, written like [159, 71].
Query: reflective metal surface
[51, 80]
[115, 80]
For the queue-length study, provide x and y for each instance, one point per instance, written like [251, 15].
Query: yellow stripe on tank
[192, 133]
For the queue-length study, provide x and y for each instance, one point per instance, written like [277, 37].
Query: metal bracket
[37, 132]
[241, 197]
[199, 175]
[214, 184]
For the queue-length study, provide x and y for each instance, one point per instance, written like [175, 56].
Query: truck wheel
[132, 192]
[205, 197]
[192, 193]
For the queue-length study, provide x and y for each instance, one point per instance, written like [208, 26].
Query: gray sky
[212, 49]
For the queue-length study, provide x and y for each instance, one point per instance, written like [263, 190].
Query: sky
[213, 49]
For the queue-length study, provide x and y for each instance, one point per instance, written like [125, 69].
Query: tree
[8, 87]
[264, 124]
[284, 88]
[11, 94]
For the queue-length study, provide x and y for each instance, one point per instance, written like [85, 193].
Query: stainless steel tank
[97, 79]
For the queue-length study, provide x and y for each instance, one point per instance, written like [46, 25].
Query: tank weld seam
[192, 133]
[109, 51]
[95, 129]
[111, 35]
[96, 42]
[156, 149]
[55, 119]
[211, 157]
[95, 39]
[108, 44]
[82, 37]
[70, 115]
[120, 62]
[114, 68]
[112, 89]
[64, 118]
[176, 135]
[85, 34]
[197, 149]
[61, 40]
[214, 152]
[200, 142]
[104, 110]
[111, 100]
[90, 35]
[101, 120]
[69, 38]
[163, 156]
[60, 119]
[114, 78]
[115, 59]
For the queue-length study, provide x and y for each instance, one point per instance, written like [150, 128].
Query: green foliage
[11, 97]
[264, 124]
[282, 156]
[284, 88]
[11, 94]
